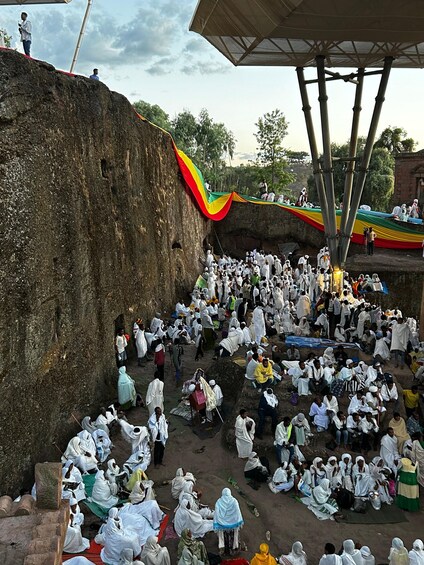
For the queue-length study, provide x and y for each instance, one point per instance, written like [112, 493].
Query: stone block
[48, 480]
[45, 531]
[6, 504]
[25, 506]
[42, 559]
[45, 545]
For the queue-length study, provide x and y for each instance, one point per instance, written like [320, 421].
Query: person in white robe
[345, 465]
[79, 561]
[188, 493]
[103, 445]
[416, 555]
[351, 555]
[389, 450]
[301, 429]
[361, 478]
[400, 337]
[367, 556]
[116, 538]
[398, 553]
[113, 473]
[321, 502]
[104, 492]
[330, 556]
[154, 554]
[140, 341]
[318, 472]
[380, 475]
[333, 472]
[296, 556]
[300, 378]
[74, 541]
[140, 459]
[245, 433]
[72, 483]
[85, 460]
[135, 435]
[303, 306]
[186, 518]
[154, 395]
[219, 397]
[258, 321]
[227, 520]
[143, 518]
[318, 413]
[127, 394]
[177, 483]
[283, 478]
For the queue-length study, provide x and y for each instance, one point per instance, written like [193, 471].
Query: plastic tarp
[293, 32]
[317, 343]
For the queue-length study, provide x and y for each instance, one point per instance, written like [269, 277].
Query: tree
[296, 156]
[184, 129]
[395, 141]
[153, 113]
[271, 130]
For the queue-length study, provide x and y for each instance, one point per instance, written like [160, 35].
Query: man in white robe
[245, 433]
[258, 324]
[154, 395]
[400, 337]
[303, 306]
[389, 451]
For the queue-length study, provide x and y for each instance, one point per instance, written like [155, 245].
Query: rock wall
[94, 225]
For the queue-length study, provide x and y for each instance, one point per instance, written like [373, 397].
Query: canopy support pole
[365, 162]
[338, 241]
[81, 35]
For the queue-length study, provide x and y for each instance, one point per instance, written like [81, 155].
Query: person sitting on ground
[322, 502]
[296, 556]
[263, 374]
[283, 478]
[319, 414]
[195, 547]
[293, 354]
[267, 408]
[330, 556]
[413, 424]
[263, 557]
[257, 468]
[154, 554]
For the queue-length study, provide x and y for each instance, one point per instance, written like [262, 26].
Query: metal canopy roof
[350, 33]
[27, 2]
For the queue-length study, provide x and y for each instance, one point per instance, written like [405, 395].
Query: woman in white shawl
[283, 479]
[346, 465]
[227, 522]
[378, 474]
[177, 483]
[103, 444]
[135, 435]
[333, 472]
[321, 502]
[127, 558]
[74, 542]
[398, 553]
[83, 459]
[416, 555]
[140, 340]
[302, 429]
[187, 558]
[296, 556]
[104, 492]
[185, 518]
[113, 472]
[87, 442]
[234, 323]
[72, 483]
[127, 394]
[140, 505]
[361, 477]
[245, 433]
[154, 554]
[318, 472]
[116, 538]
[351, 555]
[303, 329]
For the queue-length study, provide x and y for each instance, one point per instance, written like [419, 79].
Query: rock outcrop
[96, 228]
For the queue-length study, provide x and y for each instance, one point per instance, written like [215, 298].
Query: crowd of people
[259, 302]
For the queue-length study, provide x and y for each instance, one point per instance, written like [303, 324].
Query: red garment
[160, 357]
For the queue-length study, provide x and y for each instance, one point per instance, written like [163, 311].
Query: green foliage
[296, 156]
[395, 141]
[6, 38]
[271, 130]
[379, 184]
[153, 113]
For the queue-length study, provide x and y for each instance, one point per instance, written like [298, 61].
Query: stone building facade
[409, 178]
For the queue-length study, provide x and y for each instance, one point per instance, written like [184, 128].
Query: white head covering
[322, 492]
[227, 515]
[416, 555]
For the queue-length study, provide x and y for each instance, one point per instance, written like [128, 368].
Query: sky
[143, 49]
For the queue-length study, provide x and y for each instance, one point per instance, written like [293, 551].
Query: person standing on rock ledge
[95, 75]
[25, 29]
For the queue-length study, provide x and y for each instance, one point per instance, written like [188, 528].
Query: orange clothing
[263, 557]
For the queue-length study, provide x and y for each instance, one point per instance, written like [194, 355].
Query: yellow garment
[412, 399]
[263, 557]
[401, 433]
[136, 477]
[262, 374]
